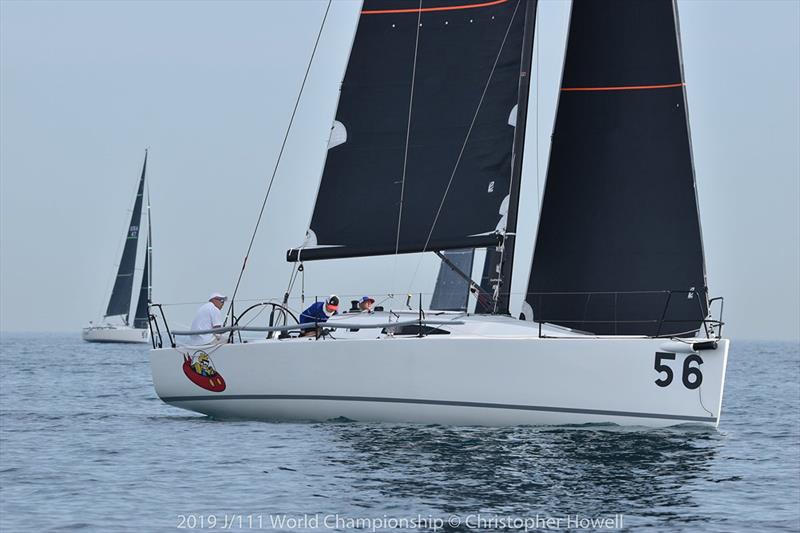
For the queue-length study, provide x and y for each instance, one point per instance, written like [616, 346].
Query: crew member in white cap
[208, 317]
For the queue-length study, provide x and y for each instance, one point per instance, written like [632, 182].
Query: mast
[120, 301]
[503, 290]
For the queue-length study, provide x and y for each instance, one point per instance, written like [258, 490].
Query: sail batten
[457, 147]
[120, 301]
[618, 247]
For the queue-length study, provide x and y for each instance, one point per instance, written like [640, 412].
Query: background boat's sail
[619, 212]
[468, 56]
[120, 301]
[451, 292]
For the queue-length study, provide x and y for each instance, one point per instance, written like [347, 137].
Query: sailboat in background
[615, 326]
[121, 295]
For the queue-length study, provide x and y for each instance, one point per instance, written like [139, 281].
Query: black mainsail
[619, 217]
[420, 154]
[120, 301]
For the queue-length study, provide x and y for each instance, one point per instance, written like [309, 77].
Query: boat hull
[456, 381]
[116, 334]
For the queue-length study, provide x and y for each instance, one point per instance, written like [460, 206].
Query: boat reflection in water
[596, 471]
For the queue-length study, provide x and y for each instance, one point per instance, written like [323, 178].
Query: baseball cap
[333, 301]
[217, 295]
[365, 299]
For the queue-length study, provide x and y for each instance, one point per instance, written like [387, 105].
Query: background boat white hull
[452, 380]
[116, 334]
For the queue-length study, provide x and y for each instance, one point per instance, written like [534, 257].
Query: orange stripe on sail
[623, 87]
[429, 9]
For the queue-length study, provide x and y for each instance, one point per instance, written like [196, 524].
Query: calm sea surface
[86, 445]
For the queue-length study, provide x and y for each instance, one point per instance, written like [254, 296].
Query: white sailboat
[119, 302]
[616, 325]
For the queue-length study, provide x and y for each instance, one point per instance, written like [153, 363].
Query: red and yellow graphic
[199, 369]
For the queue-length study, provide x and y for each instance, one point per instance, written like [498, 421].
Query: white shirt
[207, 317]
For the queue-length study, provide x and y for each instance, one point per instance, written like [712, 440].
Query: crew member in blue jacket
[316, 313]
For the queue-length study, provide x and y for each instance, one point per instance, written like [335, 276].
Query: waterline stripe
[170, 399]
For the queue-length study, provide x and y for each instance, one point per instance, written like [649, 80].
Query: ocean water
[86, 445]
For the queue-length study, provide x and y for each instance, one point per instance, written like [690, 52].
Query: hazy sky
[209, 87]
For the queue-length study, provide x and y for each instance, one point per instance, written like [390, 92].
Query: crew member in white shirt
[208, 317]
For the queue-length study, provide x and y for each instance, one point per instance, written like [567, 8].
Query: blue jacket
[314, 313]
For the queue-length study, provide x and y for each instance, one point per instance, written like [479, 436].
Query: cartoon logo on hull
[199, 369]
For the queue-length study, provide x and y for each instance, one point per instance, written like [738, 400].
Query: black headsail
[396, 153]
[141, 318]
[619, 217]
[120, 301]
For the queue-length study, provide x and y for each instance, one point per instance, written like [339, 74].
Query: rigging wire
[278, 161]
[700, 397]
[464, 144]
[408, 137]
